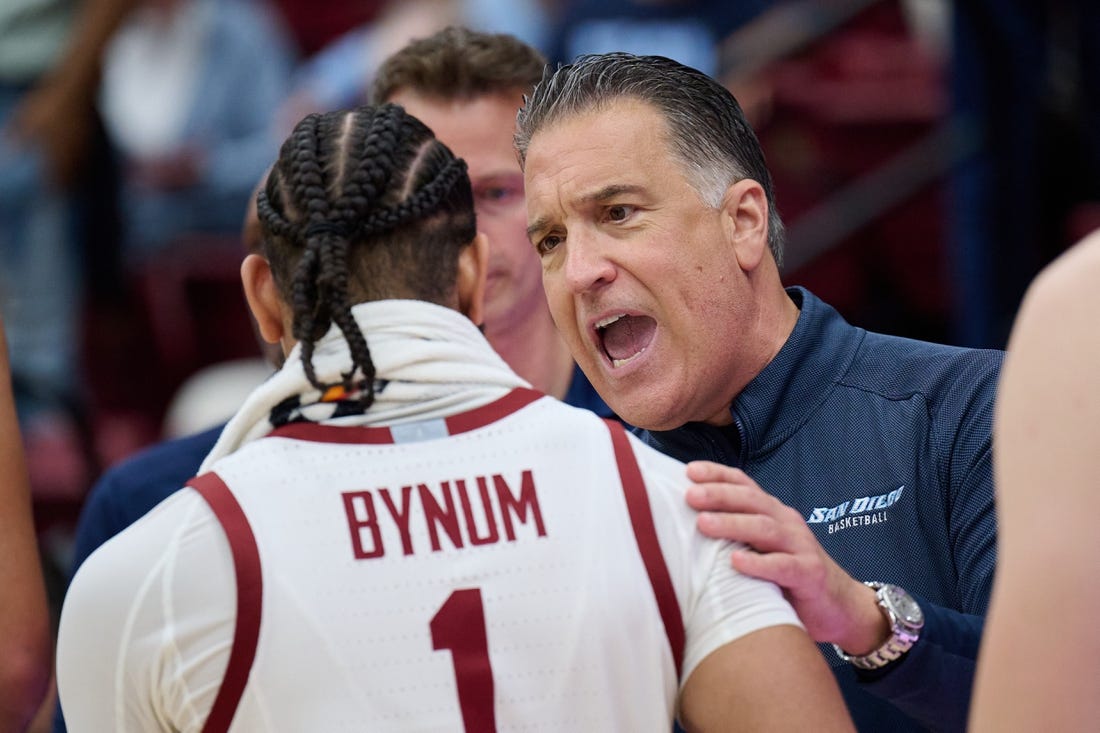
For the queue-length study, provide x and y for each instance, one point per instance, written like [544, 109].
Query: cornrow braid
[360, 188]
[313, 312]
[362, 205]
[275, 221]
[423, 201]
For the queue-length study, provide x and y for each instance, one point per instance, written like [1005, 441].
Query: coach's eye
[548, 243]
[619, 212]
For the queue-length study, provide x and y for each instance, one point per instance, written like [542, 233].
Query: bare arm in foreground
[24, 617]
[1040, 657]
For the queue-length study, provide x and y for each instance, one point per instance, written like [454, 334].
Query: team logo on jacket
[861, 512]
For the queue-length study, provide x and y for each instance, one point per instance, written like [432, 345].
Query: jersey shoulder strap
[249, 577]
[645, 533]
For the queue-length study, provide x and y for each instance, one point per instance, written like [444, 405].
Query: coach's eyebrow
[610, 192]
[596, 197]
[543, 222]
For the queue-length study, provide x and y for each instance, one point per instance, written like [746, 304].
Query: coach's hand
[833, 606]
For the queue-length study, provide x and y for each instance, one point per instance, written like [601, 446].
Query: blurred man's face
[480, 132]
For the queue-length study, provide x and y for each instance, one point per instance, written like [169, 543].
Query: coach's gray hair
[708, 130]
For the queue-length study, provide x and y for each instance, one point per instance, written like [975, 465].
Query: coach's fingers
[780, 568]
[760, 532]
[731, 492]
[708, 471]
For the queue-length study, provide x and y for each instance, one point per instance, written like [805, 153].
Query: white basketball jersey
[523, 566]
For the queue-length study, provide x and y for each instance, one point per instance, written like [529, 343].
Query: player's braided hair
[362, 205]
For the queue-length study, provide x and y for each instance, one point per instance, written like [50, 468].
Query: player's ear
[263, 298]
[473, 268]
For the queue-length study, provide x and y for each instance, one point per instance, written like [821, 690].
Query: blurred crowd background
[929, 157]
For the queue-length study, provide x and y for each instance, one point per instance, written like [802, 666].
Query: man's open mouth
[623, 337]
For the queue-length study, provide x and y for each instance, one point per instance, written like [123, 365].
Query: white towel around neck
[430, 362]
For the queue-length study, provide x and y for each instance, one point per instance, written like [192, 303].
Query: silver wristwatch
[906, 620]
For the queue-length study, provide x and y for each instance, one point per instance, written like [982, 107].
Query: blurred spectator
[340, 75]
[315, 24]
[446, 80]
[190, 91]
[685, 30]
[50, 149]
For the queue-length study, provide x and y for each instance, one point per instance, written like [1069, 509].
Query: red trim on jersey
[315, 433]
[462, 422]
[645, 532]
[246, 567]
[514, 401]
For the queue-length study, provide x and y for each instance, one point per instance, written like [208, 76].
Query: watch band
[906, 621]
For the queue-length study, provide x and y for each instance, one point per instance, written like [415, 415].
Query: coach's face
[646, 282]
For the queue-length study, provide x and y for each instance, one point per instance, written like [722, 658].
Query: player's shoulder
[659, 471]
[586, 429]
[127, 558]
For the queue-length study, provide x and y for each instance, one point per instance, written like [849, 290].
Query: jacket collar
[789, 390]
[782, 397]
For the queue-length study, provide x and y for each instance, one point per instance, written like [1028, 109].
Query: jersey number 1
[459, 625]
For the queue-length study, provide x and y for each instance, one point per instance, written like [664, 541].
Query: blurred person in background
[55, 184]
[340, 75]
[314, 24]
[686, 30]
[446, 80]
[189, 94]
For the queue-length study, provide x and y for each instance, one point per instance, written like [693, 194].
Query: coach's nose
[588, 262]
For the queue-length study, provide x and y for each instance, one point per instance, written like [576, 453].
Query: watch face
[904, 606]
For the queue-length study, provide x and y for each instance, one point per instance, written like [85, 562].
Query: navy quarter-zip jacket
[884, 444]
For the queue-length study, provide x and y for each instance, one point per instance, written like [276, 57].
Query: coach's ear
[262, 294]
[745, 210]
[473, 269]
